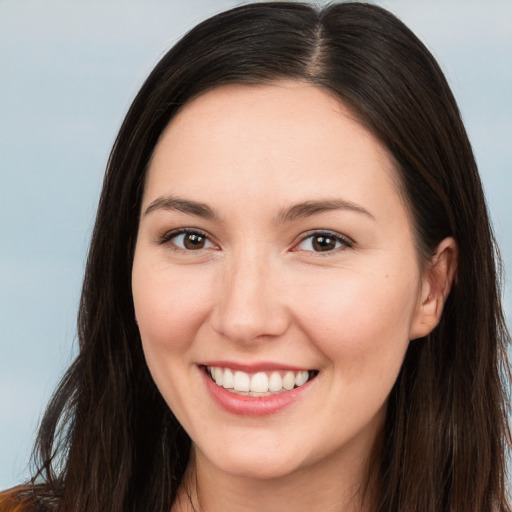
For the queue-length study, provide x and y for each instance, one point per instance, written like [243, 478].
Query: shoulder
[20, 499]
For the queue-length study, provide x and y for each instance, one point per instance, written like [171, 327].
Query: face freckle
[310, 265]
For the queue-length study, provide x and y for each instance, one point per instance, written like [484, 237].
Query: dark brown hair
[109, 442]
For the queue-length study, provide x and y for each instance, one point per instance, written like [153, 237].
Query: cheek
[362, 321]
[169, 307]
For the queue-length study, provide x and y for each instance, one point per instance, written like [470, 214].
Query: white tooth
[241, 381]
[218, 376]
[227, 380]
[301, 377]
[211, 369]
[275, 383]
[259, 382]
[289, 381]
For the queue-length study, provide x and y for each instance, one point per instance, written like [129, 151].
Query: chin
[255, 461]
[260, 468]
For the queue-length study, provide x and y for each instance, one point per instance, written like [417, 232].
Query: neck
[322, 487]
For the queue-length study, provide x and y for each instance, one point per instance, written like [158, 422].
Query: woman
[291, 297]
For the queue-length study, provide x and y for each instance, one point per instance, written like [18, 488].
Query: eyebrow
[309, 208]
[181, 205]
[296, 211]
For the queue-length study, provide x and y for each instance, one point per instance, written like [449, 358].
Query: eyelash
[169, 236]
[342, 242]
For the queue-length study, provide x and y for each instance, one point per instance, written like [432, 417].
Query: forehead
[283, 142]
[283, 106]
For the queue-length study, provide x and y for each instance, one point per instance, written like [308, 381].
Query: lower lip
[243, 405]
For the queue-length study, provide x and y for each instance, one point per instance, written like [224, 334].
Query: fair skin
[273, 239]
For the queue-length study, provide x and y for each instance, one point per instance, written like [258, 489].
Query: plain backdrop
[68, 72]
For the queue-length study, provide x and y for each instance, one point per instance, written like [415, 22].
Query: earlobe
[436, 285]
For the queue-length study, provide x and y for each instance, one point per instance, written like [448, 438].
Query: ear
[435, 287]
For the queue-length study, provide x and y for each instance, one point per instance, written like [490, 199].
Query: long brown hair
[108, 441]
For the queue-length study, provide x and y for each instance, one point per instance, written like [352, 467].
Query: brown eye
[190, 241]
[323, 242]
[193, 241]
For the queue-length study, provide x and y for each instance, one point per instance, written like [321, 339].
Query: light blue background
[68, 71]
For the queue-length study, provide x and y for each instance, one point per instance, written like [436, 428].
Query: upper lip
[254, 367]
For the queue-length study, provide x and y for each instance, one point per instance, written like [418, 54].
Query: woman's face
[274, 252]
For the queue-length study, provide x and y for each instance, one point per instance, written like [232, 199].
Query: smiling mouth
[259, 383]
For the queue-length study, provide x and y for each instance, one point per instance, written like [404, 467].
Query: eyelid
[347, 242]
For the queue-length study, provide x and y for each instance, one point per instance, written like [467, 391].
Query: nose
[251, 302]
